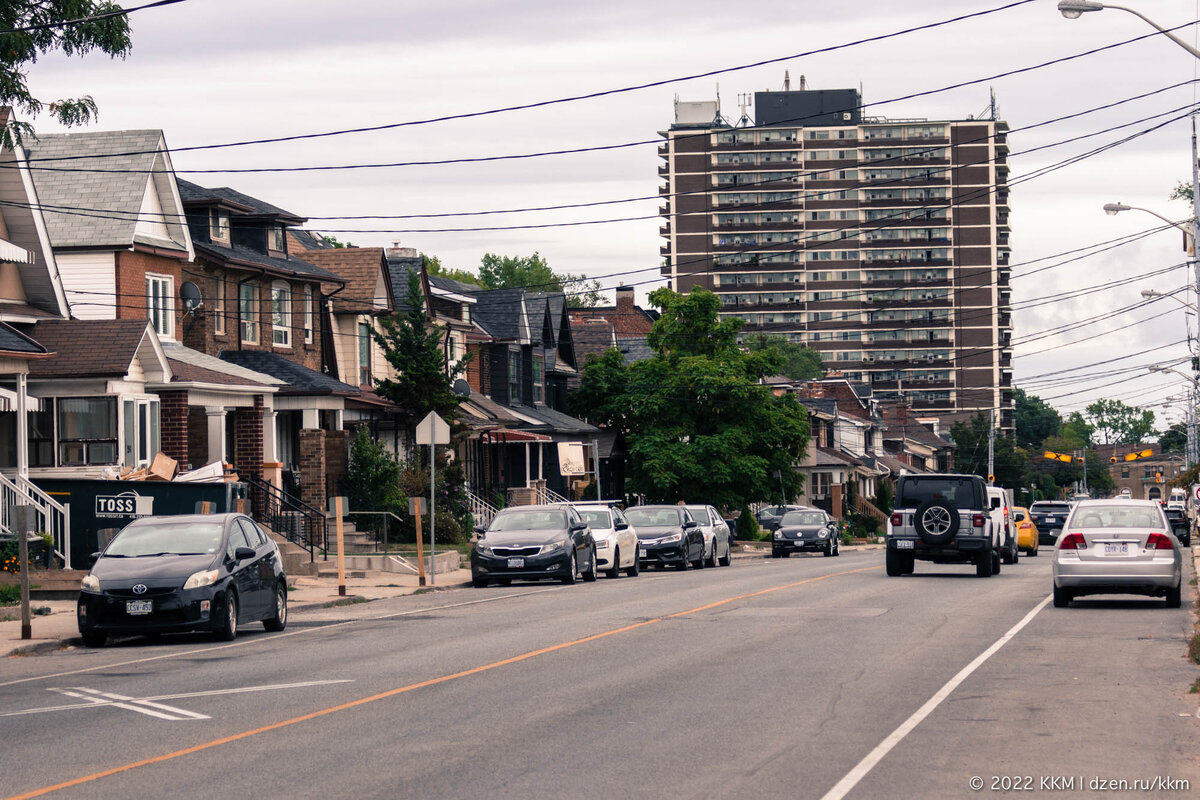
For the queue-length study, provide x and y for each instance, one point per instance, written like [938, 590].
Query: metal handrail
[53, 517]
[548, 496]
[288, 516]
[482, 512]
[385, 514]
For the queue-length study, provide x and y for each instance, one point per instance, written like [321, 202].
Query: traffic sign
[1058, 456]
[433, 430]
[1139, 454]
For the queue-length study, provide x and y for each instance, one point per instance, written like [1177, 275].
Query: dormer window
[275, 238]
[218, 225]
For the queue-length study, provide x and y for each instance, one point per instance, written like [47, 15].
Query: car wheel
[908, 563]
[1062, 597]
[1032, 553]
[683, 564]
[634, 568]
[569, 578]
[479, 583]
[996, 560]
[984, 563]
[589, 574]
[776, 554]
[1175, 597]
[829, 549]
[699, 562]
[227, 631]
[615, 570]
[728, 559]
[278, 619]
[93, 638]
[711, 561]
[893, 563]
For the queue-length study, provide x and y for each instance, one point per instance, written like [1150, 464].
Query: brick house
[627, 318]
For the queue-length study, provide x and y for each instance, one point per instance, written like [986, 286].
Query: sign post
[414, 510]
[433, 430]
[337, 505]
[22, 516]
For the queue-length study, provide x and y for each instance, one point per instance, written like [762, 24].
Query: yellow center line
[95, 776]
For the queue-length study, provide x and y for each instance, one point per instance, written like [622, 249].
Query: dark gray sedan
[532, 543]
[810, 531]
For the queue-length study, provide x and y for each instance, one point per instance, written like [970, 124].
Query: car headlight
[674, 537]
[778, 534]
[90, 583]
[552, 547]
[823, 534]
[206, 578]
[602, 544]
[483, 550]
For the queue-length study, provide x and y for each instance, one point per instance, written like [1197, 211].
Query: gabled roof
[91, 348]
[188, 365]
[308, 240]
[501, 312]
[364, 269]
[634, 348]
[298, 378]
[237, 255]
[15, 344]
[192, 193]
[132, 182]
[592, 337]
[900, 424]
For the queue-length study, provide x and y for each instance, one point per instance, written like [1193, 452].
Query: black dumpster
[107, 506]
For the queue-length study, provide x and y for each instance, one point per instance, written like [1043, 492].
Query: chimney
[625, 298]
[396, 251]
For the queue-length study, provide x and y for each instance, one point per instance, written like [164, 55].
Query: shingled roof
[192, 193]
[498, 311]
[254, 258]
[299, 379]
[89, 348]
[126, 162]
[361, 268]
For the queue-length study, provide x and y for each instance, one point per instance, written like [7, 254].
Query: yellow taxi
[1027, 532]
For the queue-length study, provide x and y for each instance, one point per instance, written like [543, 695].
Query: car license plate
[139, 606]
[641, 552]
[1116, 549]
[904, 544]
[516, 563]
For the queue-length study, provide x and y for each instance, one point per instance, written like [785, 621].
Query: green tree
[109, 35]
[434, 266]
[1174, 438]
[1035, 419]
[534, 273]
[1010, 463]
[372, 481]
[413, 345]
[334, 241]
[1077, 430]
[1119, 423]
[799, 362]
[698, 424]
[1061, 474]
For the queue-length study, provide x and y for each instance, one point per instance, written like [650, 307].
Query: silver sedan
[1117, 546]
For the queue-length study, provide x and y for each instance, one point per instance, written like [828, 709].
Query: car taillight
[978, 520]
[1159, 541]
[1072, 541]
[897, 520]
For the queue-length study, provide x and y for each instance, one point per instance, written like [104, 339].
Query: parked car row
[572, 541]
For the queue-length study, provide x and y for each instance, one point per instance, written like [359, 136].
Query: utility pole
[991, 445]
[1193, 436]
[1085, 486]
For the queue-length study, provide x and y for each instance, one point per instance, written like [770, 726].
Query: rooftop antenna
[787, 81]
[995, 111]
[744, 120]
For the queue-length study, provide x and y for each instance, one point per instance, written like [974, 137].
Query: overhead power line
[67, 23]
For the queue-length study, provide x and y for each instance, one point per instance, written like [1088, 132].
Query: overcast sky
[208, 71]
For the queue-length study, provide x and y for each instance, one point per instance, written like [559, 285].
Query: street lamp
[1074, 9]
[1151, 294]
[1192, 441]
[1112, 209]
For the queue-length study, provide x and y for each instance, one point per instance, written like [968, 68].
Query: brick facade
[337, 458]
[197, 439]
[173, 426]
[131, 269]
[199, 330]
[248, 438]
[312, 467]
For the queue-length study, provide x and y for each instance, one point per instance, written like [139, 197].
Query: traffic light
[1112, 460]
[1158, 476]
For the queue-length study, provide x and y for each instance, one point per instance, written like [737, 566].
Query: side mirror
[480, 529]
[621, 526]
[579, 527]
[93, 558]
[691, 523]
[243, 554]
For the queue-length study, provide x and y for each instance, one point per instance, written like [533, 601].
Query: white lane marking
[93, 701]
[180, 712]
[851, 779]
[114, 704]
[276, 636]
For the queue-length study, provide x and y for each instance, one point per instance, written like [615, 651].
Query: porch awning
[8, 401]
[506, 435]
[10, 252]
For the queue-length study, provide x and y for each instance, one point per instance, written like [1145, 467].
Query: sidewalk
[58, 629]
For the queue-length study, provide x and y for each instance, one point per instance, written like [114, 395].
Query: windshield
[529, 521]
[596, 519]
[178, 538]
[1049, 508]
[803, 518]
[654, 517]
[699, 513]
[1126, 516]
[961, 491]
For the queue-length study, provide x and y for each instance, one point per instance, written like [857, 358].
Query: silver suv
[945, 519]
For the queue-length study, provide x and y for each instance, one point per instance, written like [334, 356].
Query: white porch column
[270, 436]
[216, 433]
[22, 428]
[310, 418]
[527, 463]
[541, 452]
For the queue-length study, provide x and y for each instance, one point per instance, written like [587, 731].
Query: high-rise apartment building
[883, 243]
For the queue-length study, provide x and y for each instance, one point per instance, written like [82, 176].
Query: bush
[372, 481]
[10, 594]
[747, 526]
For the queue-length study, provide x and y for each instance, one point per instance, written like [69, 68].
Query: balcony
[664, 170]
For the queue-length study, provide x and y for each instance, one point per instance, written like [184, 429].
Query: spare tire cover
[936, 521]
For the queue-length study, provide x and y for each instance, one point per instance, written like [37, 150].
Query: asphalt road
[798, 678]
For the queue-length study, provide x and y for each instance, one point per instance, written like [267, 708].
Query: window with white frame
[160, 304]
[308, 315]
[218, 225]
[275, 238]
[538, 377]
[87, 431]
[281, 314]
[248, 311]
[219, 305]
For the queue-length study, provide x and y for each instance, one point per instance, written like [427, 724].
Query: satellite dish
[461, 388]
[190, 294]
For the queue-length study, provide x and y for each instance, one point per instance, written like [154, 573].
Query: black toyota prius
[184, 573]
